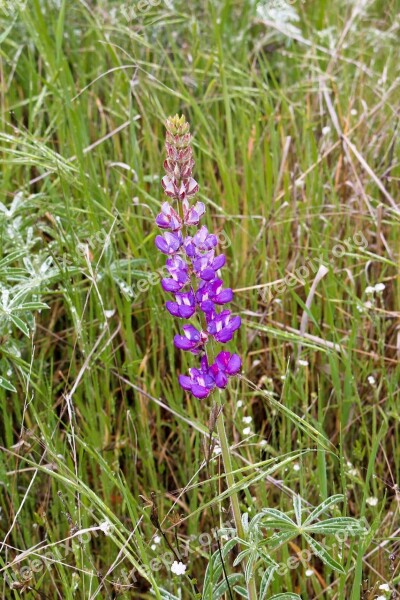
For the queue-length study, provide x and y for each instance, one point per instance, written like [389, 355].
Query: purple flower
[193, 340]
[169, 243]
[178, 270]
[223, 326]
[202, 241]
[205, 267]
[226, 365]
[210, 293]
[169, 218]
[201, 382]
[184, 307]
[192, 214]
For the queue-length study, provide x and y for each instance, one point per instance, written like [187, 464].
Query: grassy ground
[296, 143]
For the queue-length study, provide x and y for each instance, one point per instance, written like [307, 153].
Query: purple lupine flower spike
[193, 266]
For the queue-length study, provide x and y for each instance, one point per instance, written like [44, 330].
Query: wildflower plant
[198, 292]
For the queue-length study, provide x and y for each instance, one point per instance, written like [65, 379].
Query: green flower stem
[230, 479]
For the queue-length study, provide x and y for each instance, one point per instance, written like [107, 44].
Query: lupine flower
[168, 218]
[184, 307]
[201, 382]
[226, 365]
[178, 270]
[206, 267]
[193, 339]
[210, 293]
[193, 266]
[223, 326]
[201, 242]
[169, 243]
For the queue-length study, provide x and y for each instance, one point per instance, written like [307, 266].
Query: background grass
[295, 127]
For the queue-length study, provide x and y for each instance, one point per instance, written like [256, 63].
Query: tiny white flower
[372, 501]
[326, 130]
[247, 431]
[385, 587]
[303, 363]
[309, 572]
[153, 547]
[217, 450]
[106, 527]
[247, 420]
[156, 539]
[381, 598]
[371, 380]
[353, 472]
[263, 443]
[380, 287]
[239, 403]
[296, 467]
[178, 568]
[368, 304]
[283, 377]
[353, 112]
[109, 313]
[369, 290]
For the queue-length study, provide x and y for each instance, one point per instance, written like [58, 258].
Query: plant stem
[230, 479]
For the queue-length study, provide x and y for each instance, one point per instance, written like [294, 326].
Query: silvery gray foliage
[268, 531]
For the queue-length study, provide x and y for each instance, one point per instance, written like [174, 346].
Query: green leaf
[32, 306]
[266, 579]
[278, 539]
[20, 324]
[297, 508]
[348, 524]
[320, 551]
[321, 508]
[7, 385]
[285, 596]
[223, 586]
[278, 515]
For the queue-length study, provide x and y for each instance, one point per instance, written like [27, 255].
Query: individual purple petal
[219, 262]
[170, 285]
[191, 332]
[173, 308]
[221, 380]
[185, 382]
[183, 343]
[234, 365]
[199, 391]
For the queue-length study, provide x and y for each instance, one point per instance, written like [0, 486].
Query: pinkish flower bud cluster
[193, 266]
